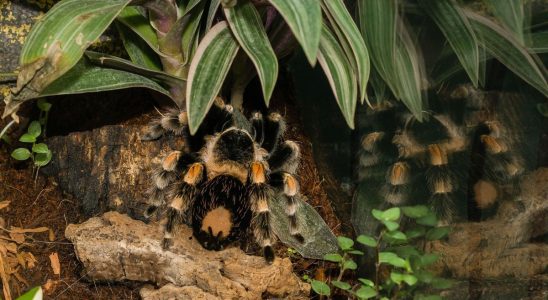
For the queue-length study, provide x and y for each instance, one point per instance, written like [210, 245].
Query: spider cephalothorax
[461, 150]
[222, 180]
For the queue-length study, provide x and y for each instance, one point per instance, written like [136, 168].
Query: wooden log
[115, 247]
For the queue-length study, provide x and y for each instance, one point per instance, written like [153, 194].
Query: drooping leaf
[42, 159]
[191, 31]
[342, 20]
[132, 18]
[392, 51]
[115, 62]
[56, 43]
[339, 74]
[139, 51]
[511, 13]
[458, 32]
[207, 72]
[506, 49]
[304, 17]
[88, 78]
[247, 26]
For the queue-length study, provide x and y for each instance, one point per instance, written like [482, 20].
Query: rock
[115, 247]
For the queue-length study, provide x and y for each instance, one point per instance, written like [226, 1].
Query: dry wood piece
[502, 246]
[116, 247]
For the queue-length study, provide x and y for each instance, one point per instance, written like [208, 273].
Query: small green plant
[39, 152]
[33, 294]
[393, 250]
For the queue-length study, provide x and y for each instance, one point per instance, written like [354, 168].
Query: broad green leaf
[396, 277]
[392, 259]
[57, 42]
[366, 292]
[190, 32]
[304, 17]
[393, 55]
[458, 32]
[377, 214]
[42, 159]
[391, 214]
[428, 220]
[34, 129]
[415, 232]
[511, 13]
[139, 24]
[43, 105]
[505, 48]
[341, 285]
[139, 51]
[21, 154]
[339, 74]
[405, 251]
[320, 287]
[345, 243]
[88, 78]
[437, 233]
[208, 69]
[27, 138]
[34, 294]
[40, 148]
[350, 265]
[391, 225]
[247, 26]
[366, 282]
[115, 62]
[409, 279]
[334, 257]
[366, 240]
[342, 20]
[396, 235]
[415, 212]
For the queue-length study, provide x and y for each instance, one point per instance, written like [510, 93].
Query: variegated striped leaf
[339, 73]
[57, 41]
[458, 31]
[304, 17]
[132, 18]
[342, 20]
[247, 26]
[208, 70]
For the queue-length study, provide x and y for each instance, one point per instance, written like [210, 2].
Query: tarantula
[221, 181]
[462, 151]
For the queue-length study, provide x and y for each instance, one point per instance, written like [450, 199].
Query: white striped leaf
[88, 78]
[304, 17]
[502, 45]
[208, 70]
[458, 32]
[511, 13]
[137, 49]
[132, 18]
[56, 43]
[342, 20]
[247, 26]
[340, 75]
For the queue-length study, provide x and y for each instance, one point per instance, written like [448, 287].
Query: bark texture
[115, 247]
[506, 245]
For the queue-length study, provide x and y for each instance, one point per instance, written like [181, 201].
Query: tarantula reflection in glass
[220, 183]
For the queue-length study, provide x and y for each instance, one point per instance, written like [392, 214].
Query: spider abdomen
[221, 214]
